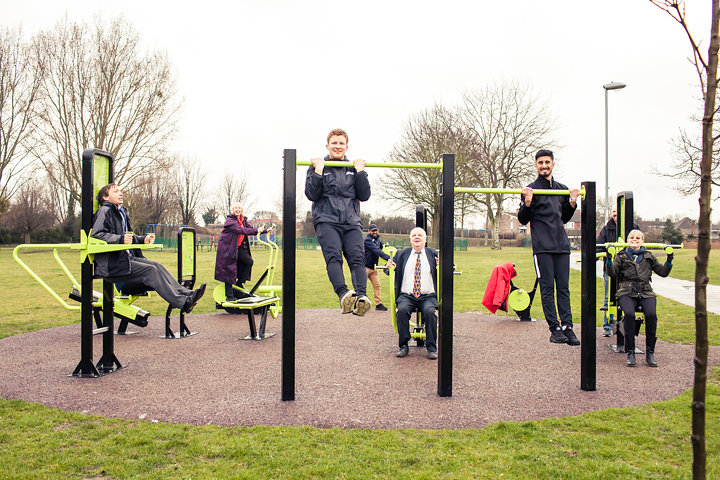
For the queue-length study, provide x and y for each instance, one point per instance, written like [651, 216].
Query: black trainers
[572, 339]
[380, 306]
[557, 336]
[403, 351]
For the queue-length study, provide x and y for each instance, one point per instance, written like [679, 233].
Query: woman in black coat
[633, 268]
[233, 263]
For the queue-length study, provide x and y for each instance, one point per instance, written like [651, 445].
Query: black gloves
[670, 257]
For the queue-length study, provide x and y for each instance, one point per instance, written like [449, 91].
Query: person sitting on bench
[415, 288]
[233, 262]
[112, 225]
[633, 268]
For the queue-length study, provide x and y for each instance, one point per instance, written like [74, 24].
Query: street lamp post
[608, 86]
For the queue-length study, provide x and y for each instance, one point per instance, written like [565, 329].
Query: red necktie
[416, 280]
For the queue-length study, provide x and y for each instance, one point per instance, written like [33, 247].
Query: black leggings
[244, 266]
[628, 305]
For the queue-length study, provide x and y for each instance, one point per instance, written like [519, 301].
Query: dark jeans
[244, 266]
[426, 304]
[553, 270]
[628, 305]
[153, 275]
[347, 240]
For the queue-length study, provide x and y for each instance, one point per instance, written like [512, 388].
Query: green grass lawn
[651, 441]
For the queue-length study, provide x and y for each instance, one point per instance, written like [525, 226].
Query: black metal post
[421, 217]
[288, 281]
[588, 350]
[446, 247]
[86, 367]
[626, 219]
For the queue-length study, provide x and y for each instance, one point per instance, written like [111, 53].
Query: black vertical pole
[86, 367]
[588, 350]
[628, 219]
[447, 231]
[288, 281]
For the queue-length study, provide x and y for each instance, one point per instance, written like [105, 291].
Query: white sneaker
[347, 301]
[362, 306]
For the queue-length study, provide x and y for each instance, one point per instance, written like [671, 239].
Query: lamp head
[614, 86]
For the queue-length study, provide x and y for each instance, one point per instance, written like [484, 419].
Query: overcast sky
[264, 75]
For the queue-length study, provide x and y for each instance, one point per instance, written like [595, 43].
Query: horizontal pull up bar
[339, 163]
[537, 191]
[646, 245]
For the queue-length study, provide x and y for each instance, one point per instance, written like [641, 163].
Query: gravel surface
[347, 374]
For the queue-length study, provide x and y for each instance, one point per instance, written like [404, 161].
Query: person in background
[633, 268]
[233, 262]
[373, 252]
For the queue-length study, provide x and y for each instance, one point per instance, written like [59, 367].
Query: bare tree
[150, 198]
[686, 167]
[102, 92]
[427, 136]
[189, 189]
[233, 189]
[30, 210]
[508, 124]
[21, 74]
[706, 68]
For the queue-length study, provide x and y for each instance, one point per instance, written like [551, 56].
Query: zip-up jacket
[373, 251]
[547, 215]
[108, 226]
[633, 278]
[337, 193]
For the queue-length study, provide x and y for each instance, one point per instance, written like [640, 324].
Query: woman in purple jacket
[233, 263]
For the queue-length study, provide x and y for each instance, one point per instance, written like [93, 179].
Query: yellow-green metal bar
[536, 191]
[42, 283]
[65, 269]
[339, 163]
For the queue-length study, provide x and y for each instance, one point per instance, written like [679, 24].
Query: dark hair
[544, 153]
[104, 192]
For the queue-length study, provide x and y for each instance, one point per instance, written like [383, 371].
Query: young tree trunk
[703, 253]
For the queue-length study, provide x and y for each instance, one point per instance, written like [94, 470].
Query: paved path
[681, 291]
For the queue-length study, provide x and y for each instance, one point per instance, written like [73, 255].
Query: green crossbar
[538, 191]
[338, 163]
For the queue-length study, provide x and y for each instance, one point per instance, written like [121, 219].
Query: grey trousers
[153, 275]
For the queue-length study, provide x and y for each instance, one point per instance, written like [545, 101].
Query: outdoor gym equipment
[417, 328]
[625, 223]
[445, 280]
[97, 171]
[251, 304]
[588, 353]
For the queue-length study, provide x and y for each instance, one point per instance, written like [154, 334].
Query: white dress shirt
[426, 283]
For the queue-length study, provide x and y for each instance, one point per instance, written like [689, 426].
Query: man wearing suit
[416, 287]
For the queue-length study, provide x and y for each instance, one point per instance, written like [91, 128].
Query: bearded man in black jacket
[547, 215]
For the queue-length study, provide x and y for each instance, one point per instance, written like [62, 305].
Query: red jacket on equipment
[498, 287]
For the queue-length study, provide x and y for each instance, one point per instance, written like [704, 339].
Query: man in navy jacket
[373, 252]
[112, 225]
[336, 193]
[416, 287]
[547, 215]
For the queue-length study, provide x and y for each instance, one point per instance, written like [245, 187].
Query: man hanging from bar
[336, 193]
[547, 215]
